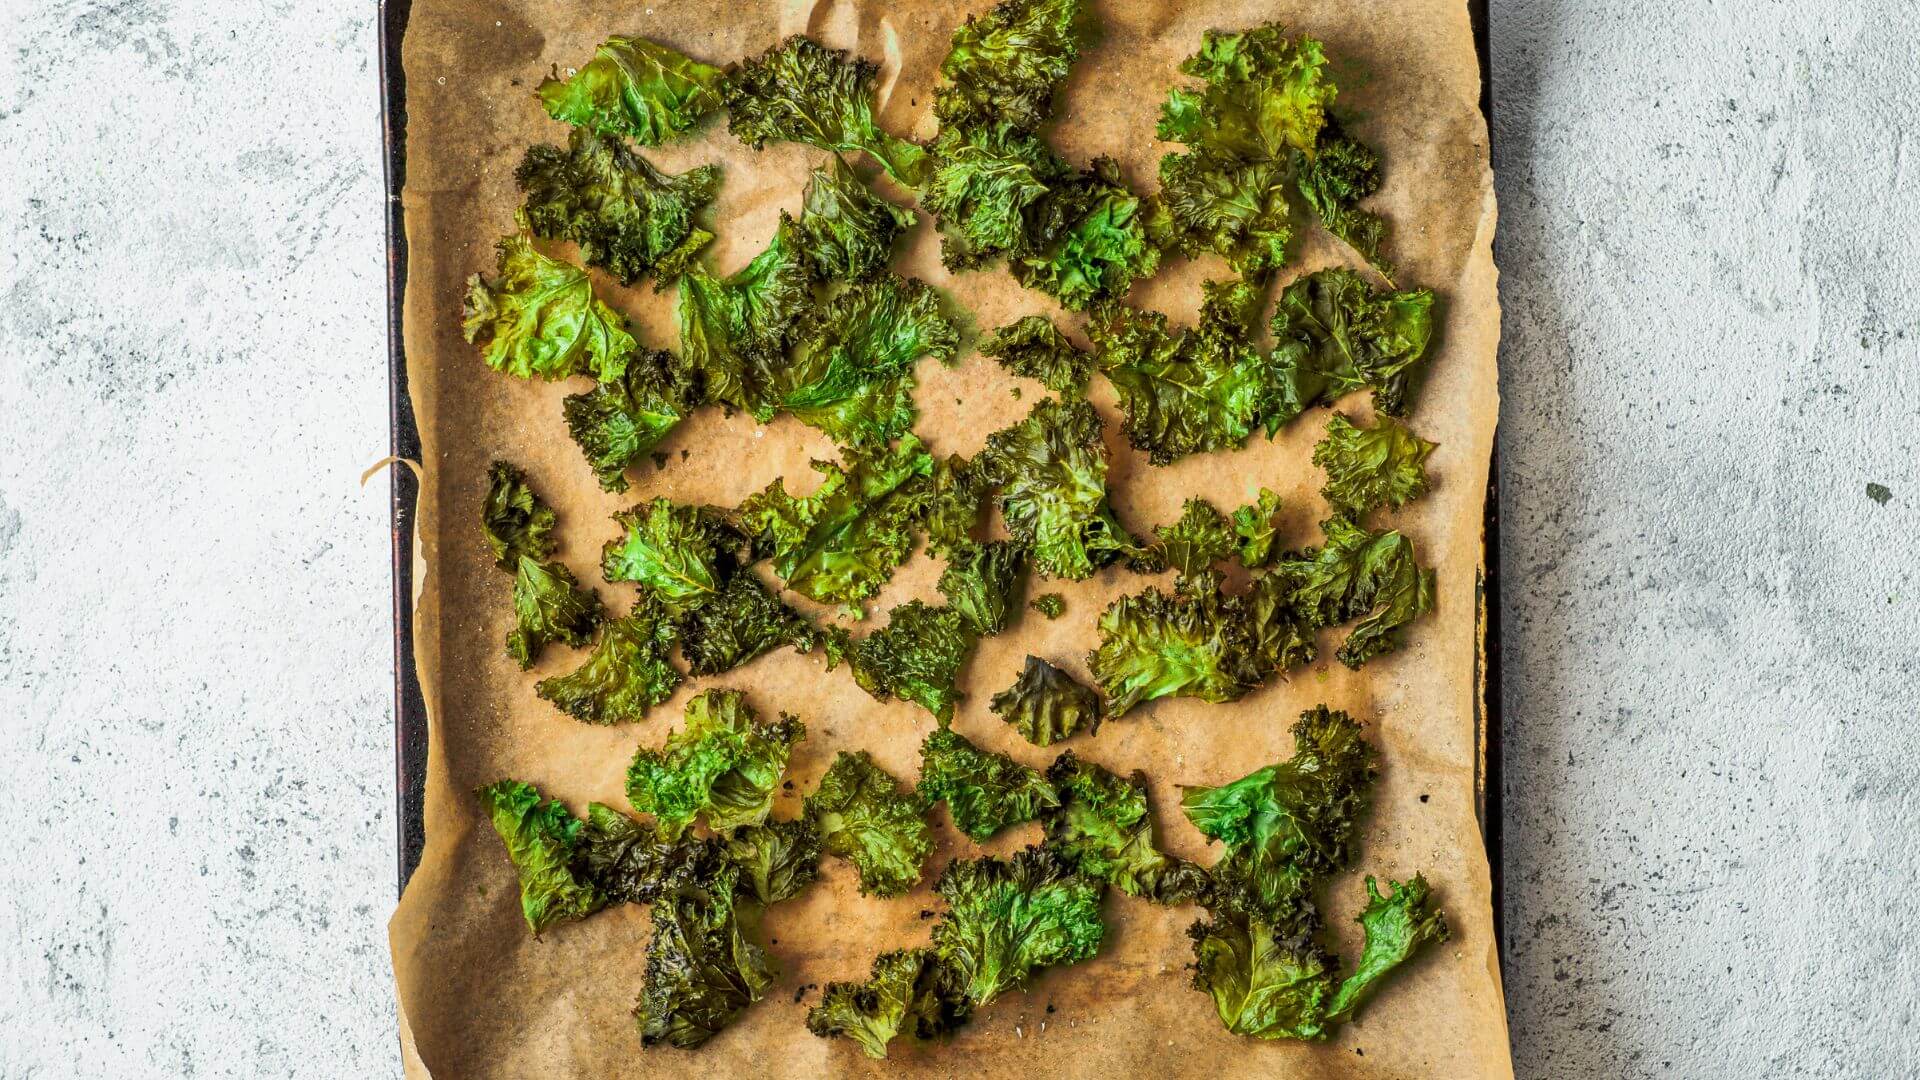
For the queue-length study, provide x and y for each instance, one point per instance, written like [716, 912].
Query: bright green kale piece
[1335, 334]
[548, 605]
[983, 582]
[1189, 392]
[850, 368]
[629, 218]
[1396, 926]
[798, 91]
[632, 863]
[777, 859]
[637, 88]
[1196, 643]
[863, 816]
[1005, 64]
[1051, 472]
[984, 791]
[1282, 637]
[1367, 468]
[1090, 242]
[539, 318]
[1265, 983]
[908, 992]
[954, 499]
[1333, 180]
[1263, 98]
[1238, 210]
[1256, 527]
[742, 622]
[542, 839]
[724, 766]
[841, 543]
[916, 657]
[1104, 828]
[1373, 577]
[626, 674]
[515, 521]
[680, 555]
[987, 182]
[731, 328]
[849, 229]
[702, 969]
[1195, 542]
[1052, 605]
[1046, 705]
[1034, 348]
[1009, 918]
[618, 423]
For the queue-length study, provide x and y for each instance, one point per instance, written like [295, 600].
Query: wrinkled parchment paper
[479, 996]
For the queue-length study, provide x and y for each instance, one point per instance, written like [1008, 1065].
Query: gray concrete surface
[1708, 238]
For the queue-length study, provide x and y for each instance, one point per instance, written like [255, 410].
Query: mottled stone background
[1709, 222]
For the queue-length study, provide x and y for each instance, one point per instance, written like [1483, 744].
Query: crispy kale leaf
[777, 859]
[733, 327]
[702, 970]
[635, 87]
[1263, 97]
[1257, 525]
[1196, 643]
[983, 583]
[989, 183]
[1282, 636]
[540, 318]
[541, 840]
[1373, 577]
[626, 674]
[1005, 64]
[954, 499]
[515, 521]
[909, 991]
[1103, 827]
[725, 765]
[1333, 180]
[629, 218]
[1190, 392]
[798, 91]
[1264, 983]
[1046, 705]
[1396, 926]
[1195, 542]
[1334, 334]
[1051, 472]
[862, 816]
[841, 543]
[849, 230]
[1052, 605]
[849, 371]
[618, 423]
[742, 622]
[1212, 201]
[984, 792]
[632, 863]
[1008, 918]
[680, 555]
[916, 657]
[1033, 348]
[1087, 242]
[548, 605]
[1371, 467]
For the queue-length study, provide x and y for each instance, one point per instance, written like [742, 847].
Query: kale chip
[1103, 827]
[702, 969]
[776, 859]
[548, 605]
[539, 318]
[1193, 392]
[626, 674]
[916, 657]
[633, 863]
[863, 816]
[620, 422]
[516, 522]
[1005, 64]
[841, 543]
[983, 582]
[724, 766]
[1257, 528]
[1046, 705]
[1052, 605]
[629, 218]
[743, 621]
[1051, 472]
[1373, 577]
[849, 230]
[1196, 643]
[542, 839]
[984, 792]
[637, 88]
[680, 555]
[909, 991]
[798, 91]
[1335, 334]
[733, 327]
[1033, 348]
[1009, 918]
[850, 369]
[1368, 468]
[1194, 543]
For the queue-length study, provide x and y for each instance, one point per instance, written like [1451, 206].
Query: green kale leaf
[851, 363]
[988, 181]
[733, 327]
[618, 423]
[540, 318]
[1033, 348]
[1051, 472]
[1005, 64]
[983, 583]
[632, 863]
[1052, 605]
[629, 218]
[954, 499]
[849, 230]
[1282, 636]
[1335, 178]
[916, 657]
[548, 605]
[1046, 705]
[1192, 392]
[743, 621]
[798, 91]
[1396, 926]
[1369, 468]
[1257, 526]
[1008, 918]
[680, 555]
[1264, 96]
[1104, 828]
[1196, 643]
[841, 543]
[635, 87]
[777, 859]
[909, 991]
[984, 792]
[541, 840]
[702, 969]
[1088, 243]
[725, 766]
[1264, 984]
[862, 816]
[1373, 577]
[1334, 334]
[516, 522]
[1195, 542]
[1211, 201]
[626, 674]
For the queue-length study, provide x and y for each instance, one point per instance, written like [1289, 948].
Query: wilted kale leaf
[862, 816]
[798, 91]
[618, 423]
[909, 991]
[849, 229]
[539, 318]
[984, 792]
[1051, 472]
[541, 839]
[1194, 391]
[702, 970]
[1334, 334]
[983, 583]
[725, 766]
[635, 87]
[777, 859]
[916, 657]
[1046, 705]
[1103, 827]
[1009, 918]
[629, 218]
[1373, 577]
[626, 674]
[841, 543]
[1396, 926]
[1371, 467]
[1033, 348]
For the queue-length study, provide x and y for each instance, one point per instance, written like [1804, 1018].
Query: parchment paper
[480, 996]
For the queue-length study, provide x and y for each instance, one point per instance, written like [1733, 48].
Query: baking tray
[409, 706]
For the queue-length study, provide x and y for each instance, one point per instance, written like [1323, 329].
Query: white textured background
[1709, 231]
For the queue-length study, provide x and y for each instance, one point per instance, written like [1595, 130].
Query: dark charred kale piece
[632, 863]
[916, 657]
[1194, 391]
[548, 604]
[542, 839]
[1194, 543]
[1368, 468]
[724, 766]
[776, 859]
[849, 230]
[1046, 705]
[618, 423]
[1104, 828]
[626, 674]
[1335, 334]
[702, 969]
[1033, 348]
[1009, 918]
[1052, 605]
[1257, 527]
[540, 319]
[739, 624]
[841, 543]
[909, 992]
[862, 815]
[1373, 577]
[983, 582]
[1005, 64]
[984, 792]
[629, 218]
[798, 91]
[1051, 474]
[635, 87]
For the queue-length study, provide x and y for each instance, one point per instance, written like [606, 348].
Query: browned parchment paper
[479, 996]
